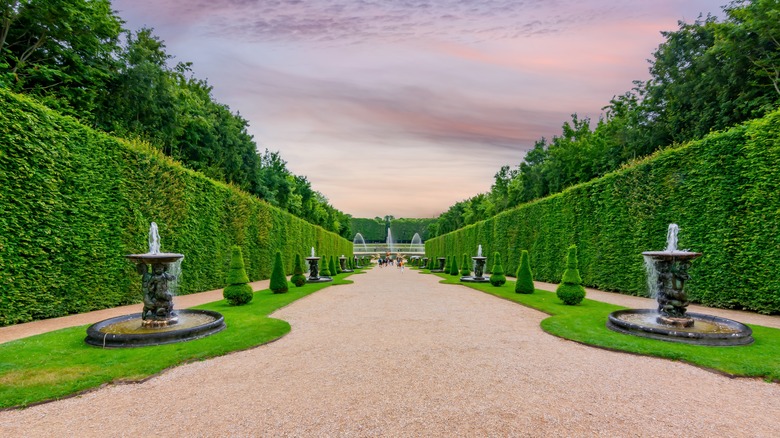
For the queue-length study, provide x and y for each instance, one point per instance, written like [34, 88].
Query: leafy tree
[238, 291]
[60, 51]
[278, 277]
[525, 278]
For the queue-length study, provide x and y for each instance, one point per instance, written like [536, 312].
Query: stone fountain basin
[150, 258]
[707, 329]
[672, 255]
[126, 331]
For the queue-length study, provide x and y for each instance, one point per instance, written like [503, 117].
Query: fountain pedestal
[441, 261]
[314, 271]
[155, 279]
[343, 264]
[479, 271]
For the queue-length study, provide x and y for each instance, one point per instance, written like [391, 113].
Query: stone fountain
[667, 273]
[343, 264]
[478, 268]
[440, 261]
[314, 270]
[157, 323]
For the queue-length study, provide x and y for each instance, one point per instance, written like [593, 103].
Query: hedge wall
[723, 191]
[74, 201]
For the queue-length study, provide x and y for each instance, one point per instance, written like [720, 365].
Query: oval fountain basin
[127, 331]
[706, 329]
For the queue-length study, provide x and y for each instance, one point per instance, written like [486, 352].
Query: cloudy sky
[404, 107]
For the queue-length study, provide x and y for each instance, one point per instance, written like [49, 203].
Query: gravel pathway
[397, 354]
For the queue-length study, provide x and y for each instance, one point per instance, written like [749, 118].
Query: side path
[399, 354]
[19, 331]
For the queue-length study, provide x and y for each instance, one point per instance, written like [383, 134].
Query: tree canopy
[705, 76]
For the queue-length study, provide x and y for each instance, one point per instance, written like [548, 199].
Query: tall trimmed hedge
[723, 191]
[74, 201]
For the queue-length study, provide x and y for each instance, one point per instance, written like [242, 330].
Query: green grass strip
[58, 364]
[586, 323]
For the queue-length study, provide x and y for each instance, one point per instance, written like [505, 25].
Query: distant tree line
[76, 57]
[403, 229]
[706, 76]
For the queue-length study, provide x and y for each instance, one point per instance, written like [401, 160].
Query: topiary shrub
[464, 270]
[324, 268]
[333, 266]
[525, 278]
[497, 277]
[278, 279]
[238, 292]
[454, 266]
[570, 290]
[298, 279]
[447, 263]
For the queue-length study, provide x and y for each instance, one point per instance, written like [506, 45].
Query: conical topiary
[447, 263]
[571, 291]
[333, 266]
[454, 266]
[278, 279]
[238, 292]
[324, 268]
[464, 270]
[497, 277]
[298, 279]
[525, 278]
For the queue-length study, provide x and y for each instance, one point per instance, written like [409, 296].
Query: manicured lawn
[58, 364]
[586, 323]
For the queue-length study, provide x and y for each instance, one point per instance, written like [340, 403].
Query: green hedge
[74, 201]
[403, 229]
[723, 191]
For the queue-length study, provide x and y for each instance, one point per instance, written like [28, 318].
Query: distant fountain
[157, 323]
[389, 241]
[314, 271]
[359, 243]
[478, 268]
[416, 245]
[667, 273]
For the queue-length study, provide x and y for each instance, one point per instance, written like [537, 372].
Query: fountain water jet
[667, 273]
[157, 323]
[359, 240]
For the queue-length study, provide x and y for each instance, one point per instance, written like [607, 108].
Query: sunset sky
[404, 107]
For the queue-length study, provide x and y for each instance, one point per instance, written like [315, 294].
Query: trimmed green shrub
[238, 292]
[465, 271]
[525, 278]
[298, 278]
[447, 263]
[454, 266]
[570, 290]
[324, 268]
[333, 266]
[497, 277]
[278, 278]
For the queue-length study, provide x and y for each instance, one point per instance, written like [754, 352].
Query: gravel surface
[397, 354]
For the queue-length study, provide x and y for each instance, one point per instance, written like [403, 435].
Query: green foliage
[278, 277]
[570, 290]
[706, 76]
[497, 277]
[333, 266]
[237, 292]
[93, 198]
[325, 267]
[298, 278]
[465, 269]
[454, 266]
[237, 273]
[723, 191]
[403, 229]
[525, 278]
